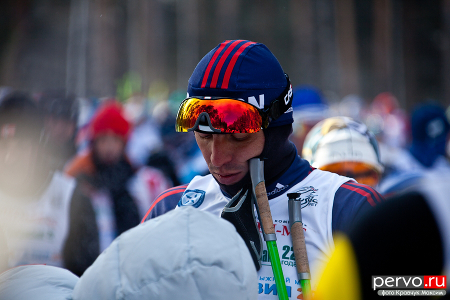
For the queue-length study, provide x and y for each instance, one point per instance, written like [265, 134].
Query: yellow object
[340, 278]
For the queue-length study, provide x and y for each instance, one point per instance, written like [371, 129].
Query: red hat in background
[110, 119]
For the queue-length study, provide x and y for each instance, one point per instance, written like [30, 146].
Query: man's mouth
[228, 178]
[226, 175]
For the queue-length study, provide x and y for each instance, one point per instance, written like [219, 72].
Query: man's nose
[221, 152]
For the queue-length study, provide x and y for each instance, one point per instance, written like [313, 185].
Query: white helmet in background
[346, 147]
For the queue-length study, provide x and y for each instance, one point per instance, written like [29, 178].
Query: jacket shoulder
[352, 200]
[81, 164]
[165, 202]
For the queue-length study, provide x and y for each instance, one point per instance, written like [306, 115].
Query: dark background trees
[342, 47]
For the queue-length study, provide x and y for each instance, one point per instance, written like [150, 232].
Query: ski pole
[265, 217]
[298, 242]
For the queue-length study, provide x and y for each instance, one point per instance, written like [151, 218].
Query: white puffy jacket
[184, 254]
[37, 282]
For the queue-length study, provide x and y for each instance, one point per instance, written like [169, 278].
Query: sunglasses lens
[226, 115]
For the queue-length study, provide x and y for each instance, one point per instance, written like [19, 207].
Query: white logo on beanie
[288, 96]
[252, 100]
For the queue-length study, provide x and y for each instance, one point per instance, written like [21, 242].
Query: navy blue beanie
[241, 69]
[429, 129]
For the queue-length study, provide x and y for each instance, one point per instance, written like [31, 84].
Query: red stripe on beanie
[221, 62]
[233, 60]
[211, 62]
[110, 118]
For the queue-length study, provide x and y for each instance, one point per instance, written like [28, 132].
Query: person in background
[389, 121]
[239, 108]
[388, 240]
[109, 181]
[391, 126]
[161, 160]
[60, 116]
[417, 190]
[179, 148]
[344, 146]
[352, 106]
[88, 108]
[310, 107]
[34, 198]
[145, 136]
[430, 130]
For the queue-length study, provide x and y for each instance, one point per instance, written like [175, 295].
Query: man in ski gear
[239, 107]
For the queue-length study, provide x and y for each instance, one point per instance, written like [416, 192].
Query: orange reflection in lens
[361, 172]
[228, 115]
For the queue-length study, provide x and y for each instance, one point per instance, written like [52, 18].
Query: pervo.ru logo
[192, 198]
[409, 282]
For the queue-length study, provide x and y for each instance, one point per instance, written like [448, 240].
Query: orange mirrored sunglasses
[219, 115]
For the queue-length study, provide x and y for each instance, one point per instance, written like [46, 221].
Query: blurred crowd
[378, 142]
[76, 172]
